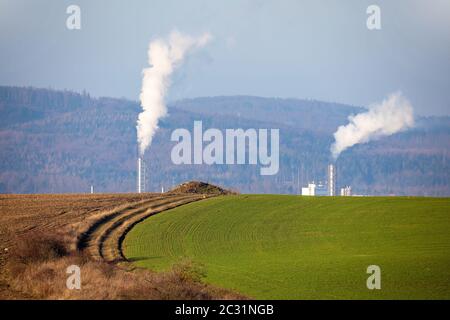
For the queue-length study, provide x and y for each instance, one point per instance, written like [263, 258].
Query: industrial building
[310, 190]
[328, 188]
[346, 191]
[314, 189]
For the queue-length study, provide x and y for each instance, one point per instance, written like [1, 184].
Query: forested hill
[61, 141]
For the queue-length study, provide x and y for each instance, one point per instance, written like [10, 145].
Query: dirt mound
[200, 188]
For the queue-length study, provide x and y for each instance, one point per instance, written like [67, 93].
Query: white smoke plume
[393, 115]
[164, 56]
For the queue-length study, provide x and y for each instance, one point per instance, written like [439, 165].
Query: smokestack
[331, 180]
[140, 175]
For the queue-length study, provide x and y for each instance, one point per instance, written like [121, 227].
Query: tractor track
[103, 236]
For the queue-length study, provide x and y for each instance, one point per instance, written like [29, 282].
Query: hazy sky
[302, 49]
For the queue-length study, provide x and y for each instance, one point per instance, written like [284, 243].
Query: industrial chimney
[331, 180]
[140, 175]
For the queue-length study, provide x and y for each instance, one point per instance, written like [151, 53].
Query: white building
[310, 190]
[346, 191]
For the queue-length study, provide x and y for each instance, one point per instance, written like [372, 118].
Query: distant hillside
[61, 141]
[295, 113]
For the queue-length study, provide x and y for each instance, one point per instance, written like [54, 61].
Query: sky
[318, 50]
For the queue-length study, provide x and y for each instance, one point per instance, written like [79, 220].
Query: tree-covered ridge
[61, 141]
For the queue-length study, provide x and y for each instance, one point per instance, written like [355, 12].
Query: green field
[292, 247]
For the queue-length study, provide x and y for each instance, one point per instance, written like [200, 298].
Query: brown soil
[52, 214]
[198, 187]
[95, 224]
[101, 236]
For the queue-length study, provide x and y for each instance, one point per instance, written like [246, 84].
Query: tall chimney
[331, 180]
[140, 175]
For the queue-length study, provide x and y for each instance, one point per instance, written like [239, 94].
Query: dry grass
[39, 232]
[38, 266]
[49, 213]
[34, 248]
